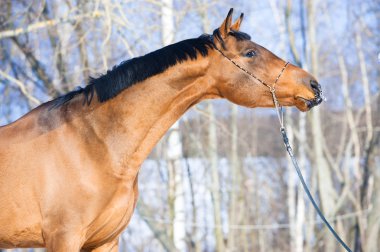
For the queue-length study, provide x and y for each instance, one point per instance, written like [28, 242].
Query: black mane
[135, 70]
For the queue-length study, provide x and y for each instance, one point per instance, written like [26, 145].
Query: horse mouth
[309, 103]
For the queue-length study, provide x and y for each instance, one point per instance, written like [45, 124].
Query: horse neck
[141, 114]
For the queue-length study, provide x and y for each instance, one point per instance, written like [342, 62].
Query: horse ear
[236, 25]
[226, 26]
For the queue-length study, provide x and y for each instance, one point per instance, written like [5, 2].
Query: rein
[288, 147]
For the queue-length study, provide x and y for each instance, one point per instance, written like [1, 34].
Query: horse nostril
[315, 86]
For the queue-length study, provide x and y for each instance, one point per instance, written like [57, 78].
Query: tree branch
[47, 23]
[22, 88]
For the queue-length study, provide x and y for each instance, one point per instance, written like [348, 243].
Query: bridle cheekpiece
[272, 88]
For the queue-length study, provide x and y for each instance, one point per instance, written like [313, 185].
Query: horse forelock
[238, 35]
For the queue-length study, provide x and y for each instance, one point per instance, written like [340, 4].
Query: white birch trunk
[325, 184]
[174, 154]
[215, 187]
[235, 179]
[292, 211]
[296, 205]
[174, 145]
[296, 202]
[363, 222]
[300, 218]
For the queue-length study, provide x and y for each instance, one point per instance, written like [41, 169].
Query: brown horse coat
[68, 170]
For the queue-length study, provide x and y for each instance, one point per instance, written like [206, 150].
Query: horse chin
[306, 104]
[303, 104]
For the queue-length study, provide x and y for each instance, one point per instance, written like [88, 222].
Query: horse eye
[250, 54]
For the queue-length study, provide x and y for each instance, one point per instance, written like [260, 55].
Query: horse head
[246, 72]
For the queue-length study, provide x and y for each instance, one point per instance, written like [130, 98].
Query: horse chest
[113, 219]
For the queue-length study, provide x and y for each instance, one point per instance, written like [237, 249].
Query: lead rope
[288, 147]
[305, 187]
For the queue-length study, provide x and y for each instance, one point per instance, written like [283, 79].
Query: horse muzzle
[318, 98]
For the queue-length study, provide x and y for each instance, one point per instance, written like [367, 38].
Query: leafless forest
[220, 179]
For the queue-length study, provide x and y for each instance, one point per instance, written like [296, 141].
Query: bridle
[272, 88]
[289, 149]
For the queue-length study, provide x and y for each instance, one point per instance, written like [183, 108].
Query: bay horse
[68, 168]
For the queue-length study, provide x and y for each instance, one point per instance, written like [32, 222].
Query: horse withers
[68, 168]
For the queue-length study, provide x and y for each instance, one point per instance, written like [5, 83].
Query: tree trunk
[369, 140]
[327, 192]
[215, 183]
[302, 143]
[174, 147]
[296, 202]
[235, 179]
